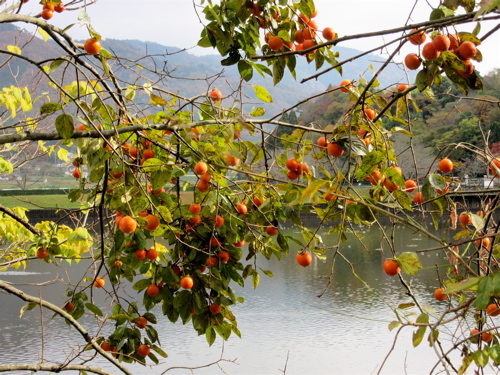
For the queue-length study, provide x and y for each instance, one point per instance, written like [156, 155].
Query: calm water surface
[283, 322]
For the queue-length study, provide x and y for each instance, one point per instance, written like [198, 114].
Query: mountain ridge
[188, 74]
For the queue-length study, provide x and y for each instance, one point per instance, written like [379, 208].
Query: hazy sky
[175, 23]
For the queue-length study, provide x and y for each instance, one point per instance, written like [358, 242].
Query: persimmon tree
[134, 160]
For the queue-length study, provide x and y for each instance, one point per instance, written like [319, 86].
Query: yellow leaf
[43, 34]
[14, 49]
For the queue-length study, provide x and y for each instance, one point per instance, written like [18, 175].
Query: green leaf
[462, 285]
[409, 263]
[495, 354]
[267, 273]
[312, 189]
[50, 108]
[159, 350]
[278, 70]
[437, 14]
[141, 284]
[418, 335]
[484, 292]
[394, 324]
[55, 64]
[245, 70]
[65, 126]
[255, 279]
[157, 100]
[93, 308]
[369, 163]
[130, 92]
[210, 335]
[403, 199]
[258, 112]
[263, 94]
[481, 357]
[434, 335]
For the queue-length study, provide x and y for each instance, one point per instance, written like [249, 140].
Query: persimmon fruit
[369, 113]
[391, 267]
[200, 168]
[345, 86]
[465, 219]
[216, 95]
[293, 164]
[441, 43]
[59, 8]
[153, 290]
[69, 307]
[410, 185]
[42, 253]
[322, 142]
[495, 167]
[429, 52]
[328, 33]
[212, 261]
[92, 46]
[467, 50]
[223, 256]
[445, 165]
[439, 295]
[127, 224]
[215, 308]
[418, 198]
[334, 150]
[412, 61]
[106, 346]
[153, 222]
[218, 221]
[143, 350]
[99, 282]
[418, 38]
[152, 254]
[140, 254]
[304, 258]
[187, 282]
[47, 14]
[403, 87]
[202, 186]
[195, 208]
[275, 43]
[241, 208]
[271, 230]
[493, 309]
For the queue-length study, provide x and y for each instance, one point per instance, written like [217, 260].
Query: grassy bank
[33, 202]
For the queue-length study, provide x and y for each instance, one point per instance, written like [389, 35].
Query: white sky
[175, 23]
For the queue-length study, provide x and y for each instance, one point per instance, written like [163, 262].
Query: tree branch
[28, 298]
[20, 220]
[52, 368]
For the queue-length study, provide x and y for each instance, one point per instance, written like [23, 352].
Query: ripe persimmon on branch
[139, 146]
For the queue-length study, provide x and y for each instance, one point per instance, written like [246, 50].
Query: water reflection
[343, 332]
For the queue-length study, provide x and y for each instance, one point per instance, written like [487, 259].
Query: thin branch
[52, 368]
[28, 298]
[20, 220]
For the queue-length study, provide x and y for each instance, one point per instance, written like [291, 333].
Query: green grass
[33, 202]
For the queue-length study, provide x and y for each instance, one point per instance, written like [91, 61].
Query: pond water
[284, 325]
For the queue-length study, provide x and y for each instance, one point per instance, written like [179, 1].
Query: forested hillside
[437, 118]
[181, 70]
